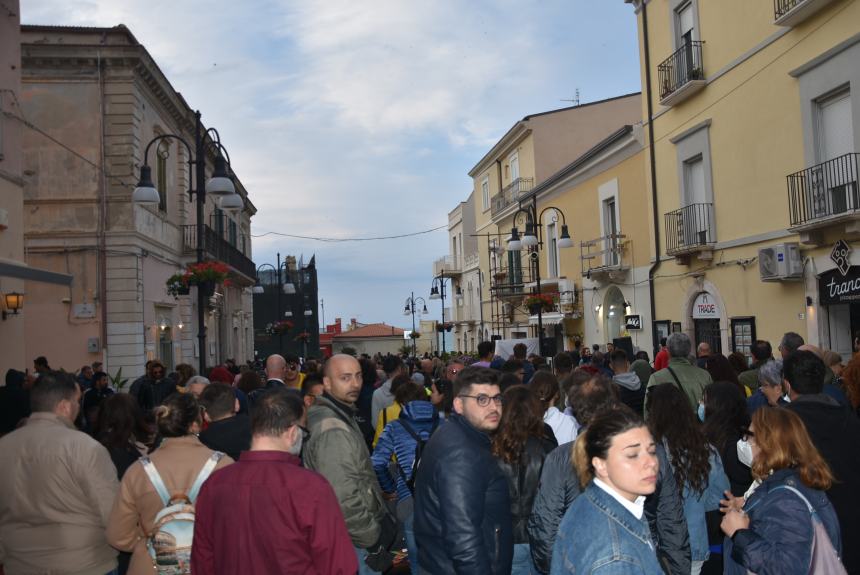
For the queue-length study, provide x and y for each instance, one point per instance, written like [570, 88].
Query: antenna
[574, 100]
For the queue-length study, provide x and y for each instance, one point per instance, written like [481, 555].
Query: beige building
[752, 122]
[93, 99]
[525, 169]
[370, 338]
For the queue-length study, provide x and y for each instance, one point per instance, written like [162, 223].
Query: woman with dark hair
[179, 460]
[545, 387]
[726, 418]
[121, 428]
[721, 369]
[777, 529]
[249, 381]
[605, 529]
[696, 465]
[739, 362]
[521, 447]
[442, 397]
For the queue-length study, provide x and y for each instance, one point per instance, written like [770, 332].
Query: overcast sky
[360, 118]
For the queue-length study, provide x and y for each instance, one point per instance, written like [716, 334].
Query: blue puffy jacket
[396, 440]
[779, 538]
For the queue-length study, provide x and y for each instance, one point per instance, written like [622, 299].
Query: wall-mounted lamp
[627, 305]
[14, 301]
[180, 325]
[597, 308]
[808, 301]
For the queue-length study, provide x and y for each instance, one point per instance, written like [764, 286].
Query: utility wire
[337, 240]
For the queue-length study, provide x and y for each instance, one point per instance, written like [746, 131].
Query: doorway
[708, 331]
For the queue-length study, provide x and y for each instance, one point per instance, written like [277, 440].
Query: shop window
[743, 336]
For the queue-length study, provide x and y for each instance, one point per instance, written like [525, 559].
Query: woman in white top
[545, 386]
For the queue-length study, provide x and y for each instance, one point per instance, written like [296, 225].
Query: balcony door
[693, 221]
[686, 26]
[835, 178]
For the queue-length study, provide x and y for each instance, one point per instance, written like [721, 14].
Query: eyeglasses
[306, 433]
[292, 366]
[483, 400]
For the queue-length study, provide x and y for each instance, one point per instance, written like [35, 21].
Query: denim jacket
[779, 538]
[697, 504]
[598, 535]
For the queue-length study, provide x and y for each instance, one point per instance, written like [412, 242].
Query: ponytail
[596, 438]
[581, 464]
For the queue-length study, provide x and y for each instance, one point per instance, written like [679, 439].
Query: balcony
[790, 13]
[681, 75]
[448, 266]
[824, 194]
[510, 194]
[603, 256]
[217, 247]
[690, 230]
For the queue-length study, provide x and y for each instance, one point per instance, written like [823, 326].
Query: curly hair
[726, 414]
[670, 418]
[851, 380]
[522, 418]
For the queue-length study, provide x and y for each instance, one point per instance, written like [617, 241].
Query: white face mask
[745, 454]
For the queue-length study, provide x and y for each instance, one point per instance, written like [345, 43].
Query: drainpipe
[653, 165]
[102, 223]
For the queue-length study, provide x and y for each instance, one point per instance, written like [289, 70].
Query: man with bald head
[276, 372]
[337, 451]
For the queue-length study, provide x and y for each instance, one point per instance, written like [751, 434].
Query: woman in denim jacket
[696, 465]
[772, 531]
[604, 530]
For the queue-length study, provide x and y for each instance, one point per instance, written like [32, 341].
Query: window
[161, 175]
[743, 336]
[232, 232]
[610, 228]
[218, 217]
[684, 20]
[694, 181]
[485, 192]
[693, 149]
[515, 268]
[835, 126]
[514, 162]
[552, 252]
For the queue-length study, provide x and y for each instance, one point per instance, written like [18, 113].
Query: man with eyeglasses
[293, 376]
[462, 505]
[287, 518]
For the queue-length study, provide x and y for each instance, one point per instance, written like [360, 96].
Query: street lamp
[437, 291]
[409, 309]
[219, 185]
[258, 289]
[532, 239]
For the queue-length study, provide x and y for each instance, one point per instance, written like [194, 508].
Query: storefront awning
[550, 318]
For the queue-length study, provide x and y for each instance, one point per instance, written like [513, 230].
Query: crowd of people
[594, 460]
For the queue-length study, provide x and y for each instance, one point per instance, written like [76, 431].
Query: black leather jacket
[523, 481]
[559, 486]
[462, 506]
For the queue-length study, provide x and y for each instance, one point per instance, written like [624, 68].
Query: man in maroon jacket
[266, 514]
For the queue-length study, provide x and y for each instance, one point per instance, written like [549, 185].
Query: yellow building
[752, 123]
[533, 166]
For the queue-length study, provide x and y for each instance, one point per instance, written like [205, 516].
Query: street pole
[200, 196]
[278, 306]
[412, 309]
[442, 293]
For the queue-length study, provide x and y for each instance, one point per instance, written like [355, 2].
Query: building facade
[94, 99]
[526, 170]
[752, 120]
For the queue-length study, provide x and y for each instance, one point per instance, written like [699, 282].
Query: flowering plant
[544, 300]
[208, 271]
[282, 326]
[415, 334]
[177, 285]
[304, 336]
[447, 326]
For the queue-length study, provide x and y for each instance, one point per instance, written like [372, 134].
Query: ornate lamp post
[220, 185]
[282, 288]
[411, 305]
[437, 291]
[533, 240]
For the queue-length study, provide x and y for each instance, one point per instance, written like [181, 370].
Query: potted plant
[447, 326]
[304, 336]
[177, 285]
[415, 334]
[207, 274]
[281, 327]
[538, 302]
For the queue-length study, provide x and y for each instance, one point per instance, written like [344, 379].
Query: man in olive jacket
[691, 380]
[337, 451]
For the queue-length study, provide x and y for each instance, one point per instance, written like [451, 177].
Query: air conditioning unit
[780, 262]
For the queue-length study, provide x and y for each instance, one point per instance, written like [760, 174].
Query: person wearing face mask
[293, 514]
[726, 418]
[605, 528]
[787, 525]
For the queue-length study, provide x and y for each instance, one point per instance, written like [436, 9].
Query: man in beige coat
[57, 486]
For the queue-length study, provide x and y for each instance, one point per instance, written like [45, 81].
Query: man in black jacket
[835, 431]
[559, 486]
[462, 505]
[227, 432]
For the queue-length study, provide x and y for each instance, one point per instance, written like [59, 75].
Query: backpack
[419, 449]
[169, 544]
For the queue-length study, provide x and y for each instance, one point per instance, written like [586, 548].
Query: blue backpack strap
[204, 474]
[155, 479]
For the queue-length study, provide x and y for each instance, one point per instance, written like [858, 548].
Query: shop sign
[839, 255]
[633, 322]
[834, 287]
[705, 307]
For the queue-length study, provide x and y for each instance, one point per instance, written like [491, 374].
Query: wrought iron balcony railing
[217, 247]
[603, 254]
[824, 190]
[510, 194]
[680, 69]
[690, 229]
